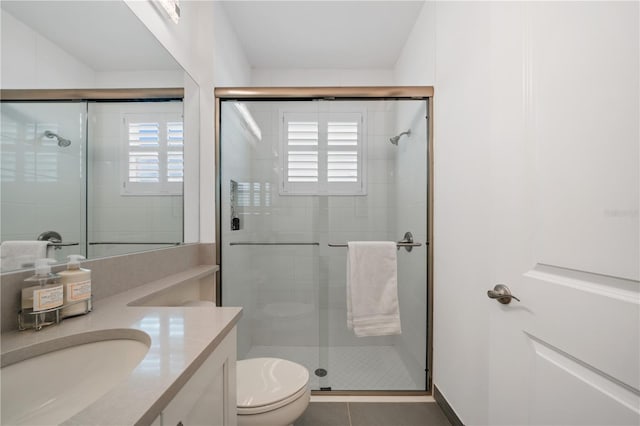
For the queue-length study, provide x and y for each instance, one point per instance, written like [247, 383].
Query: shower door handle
[502, 294]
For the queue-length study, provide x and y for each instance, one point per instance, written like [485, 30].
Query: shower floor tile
[348, 367]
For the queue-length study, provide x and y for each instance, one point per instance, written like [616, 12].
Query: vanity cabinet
[209, 396]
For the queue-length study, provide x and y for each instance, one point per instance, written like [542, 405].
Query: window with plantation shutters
[153, 154]
[322, 154]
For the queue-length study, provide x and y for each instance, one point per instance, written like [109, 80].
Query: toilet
[271, 391]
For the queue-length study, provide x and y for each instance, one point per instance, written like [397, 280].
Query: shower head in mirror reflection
[62, 142]
[394, 140]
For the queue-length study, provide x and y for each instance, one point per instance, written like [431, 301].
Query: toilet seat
[266, 384]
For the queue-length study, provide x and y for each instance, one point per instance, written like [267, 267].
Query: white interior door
[564, 201]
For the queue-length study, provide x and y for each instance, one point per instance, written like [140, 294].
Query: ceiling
[105, 35]
[323, 34]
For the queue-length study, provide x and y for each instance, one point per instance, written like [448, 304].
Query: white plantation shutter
[153, 154]
[323, 154]
[144, 152]
[343, 149]
[175, 151]
[302, 151]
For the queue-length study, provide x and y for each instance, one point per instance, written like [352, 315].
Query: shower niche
[304, 178]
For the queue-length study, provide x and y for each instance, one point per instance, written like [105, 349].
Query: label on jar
[47, 298]
[79, 291]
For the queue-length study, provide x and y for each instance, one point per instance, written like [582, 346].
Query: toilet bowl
[271, 391]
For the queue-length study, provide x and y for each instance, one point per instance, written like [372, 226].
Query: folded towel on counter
[21, 254]
[372, 288]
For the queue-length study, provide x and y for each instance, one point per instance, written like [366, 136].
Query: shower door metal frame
[425, 93]
[161, 93]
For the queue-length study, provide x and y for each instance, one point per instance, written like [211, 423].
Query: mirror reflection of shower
[62, 142]
[394, 140]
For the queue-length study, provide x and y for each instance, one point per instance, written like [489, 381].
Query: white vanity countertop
[181, 339]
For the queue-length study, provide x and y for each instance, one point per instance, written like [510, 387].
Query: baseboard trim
[446, 408]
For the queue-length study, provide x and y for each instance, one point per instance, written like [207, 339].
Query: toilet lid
[266, 381]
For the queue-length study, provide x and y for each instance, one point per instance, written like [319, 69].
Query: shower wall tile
[297, 276]
[380, 171]
[129, 218]
[411, 165]
[42, 183]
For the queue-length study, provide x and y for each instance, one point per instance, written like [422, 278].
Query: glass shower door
[269, 242]
[296, 179]
[394, 204]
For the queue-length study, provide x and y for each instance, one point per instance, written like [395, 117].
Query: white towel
[21, 254]
[372, 288]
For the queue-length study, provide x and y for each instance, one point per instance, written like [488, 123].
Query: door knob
[502, 294]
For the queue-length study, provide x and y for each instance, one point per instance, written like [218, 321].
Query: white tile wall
[306, 285]
[240, 279]
[35, 200]
[113, 217]
[411, 180]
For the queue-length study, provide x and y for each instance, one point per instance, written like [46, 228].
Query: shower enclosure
[297, 180]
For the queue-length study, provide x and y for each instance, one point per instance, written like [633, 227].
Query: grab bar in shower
[248, 243]
[406, 242]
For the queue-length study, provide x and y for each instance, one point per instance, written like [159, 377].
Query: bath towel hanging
[372, 288]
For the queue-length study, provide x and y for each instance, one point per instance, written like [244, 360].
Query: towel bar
[406, 242]
[399, 244]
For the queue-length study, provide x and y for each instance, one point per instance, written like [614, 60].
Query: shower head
[62, 142]
[394, 140]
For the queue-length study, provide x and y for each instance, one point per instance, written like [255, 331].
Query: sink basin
[67, 374]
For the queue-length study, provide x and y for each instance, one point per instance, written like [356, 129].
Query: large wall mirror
[97, 119]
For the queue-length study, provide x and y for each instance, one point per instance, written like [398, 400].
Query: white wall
[461, 228]
[231, 67]
[288, 77]
[31, 61]
[416, 63]
[138, 79]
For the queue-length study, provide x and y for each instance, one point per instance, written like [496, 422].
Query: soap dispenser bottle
[41, 303]
[77, 288]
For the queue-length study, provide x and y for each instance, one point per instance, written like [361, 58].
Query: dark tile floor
[372, 414]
